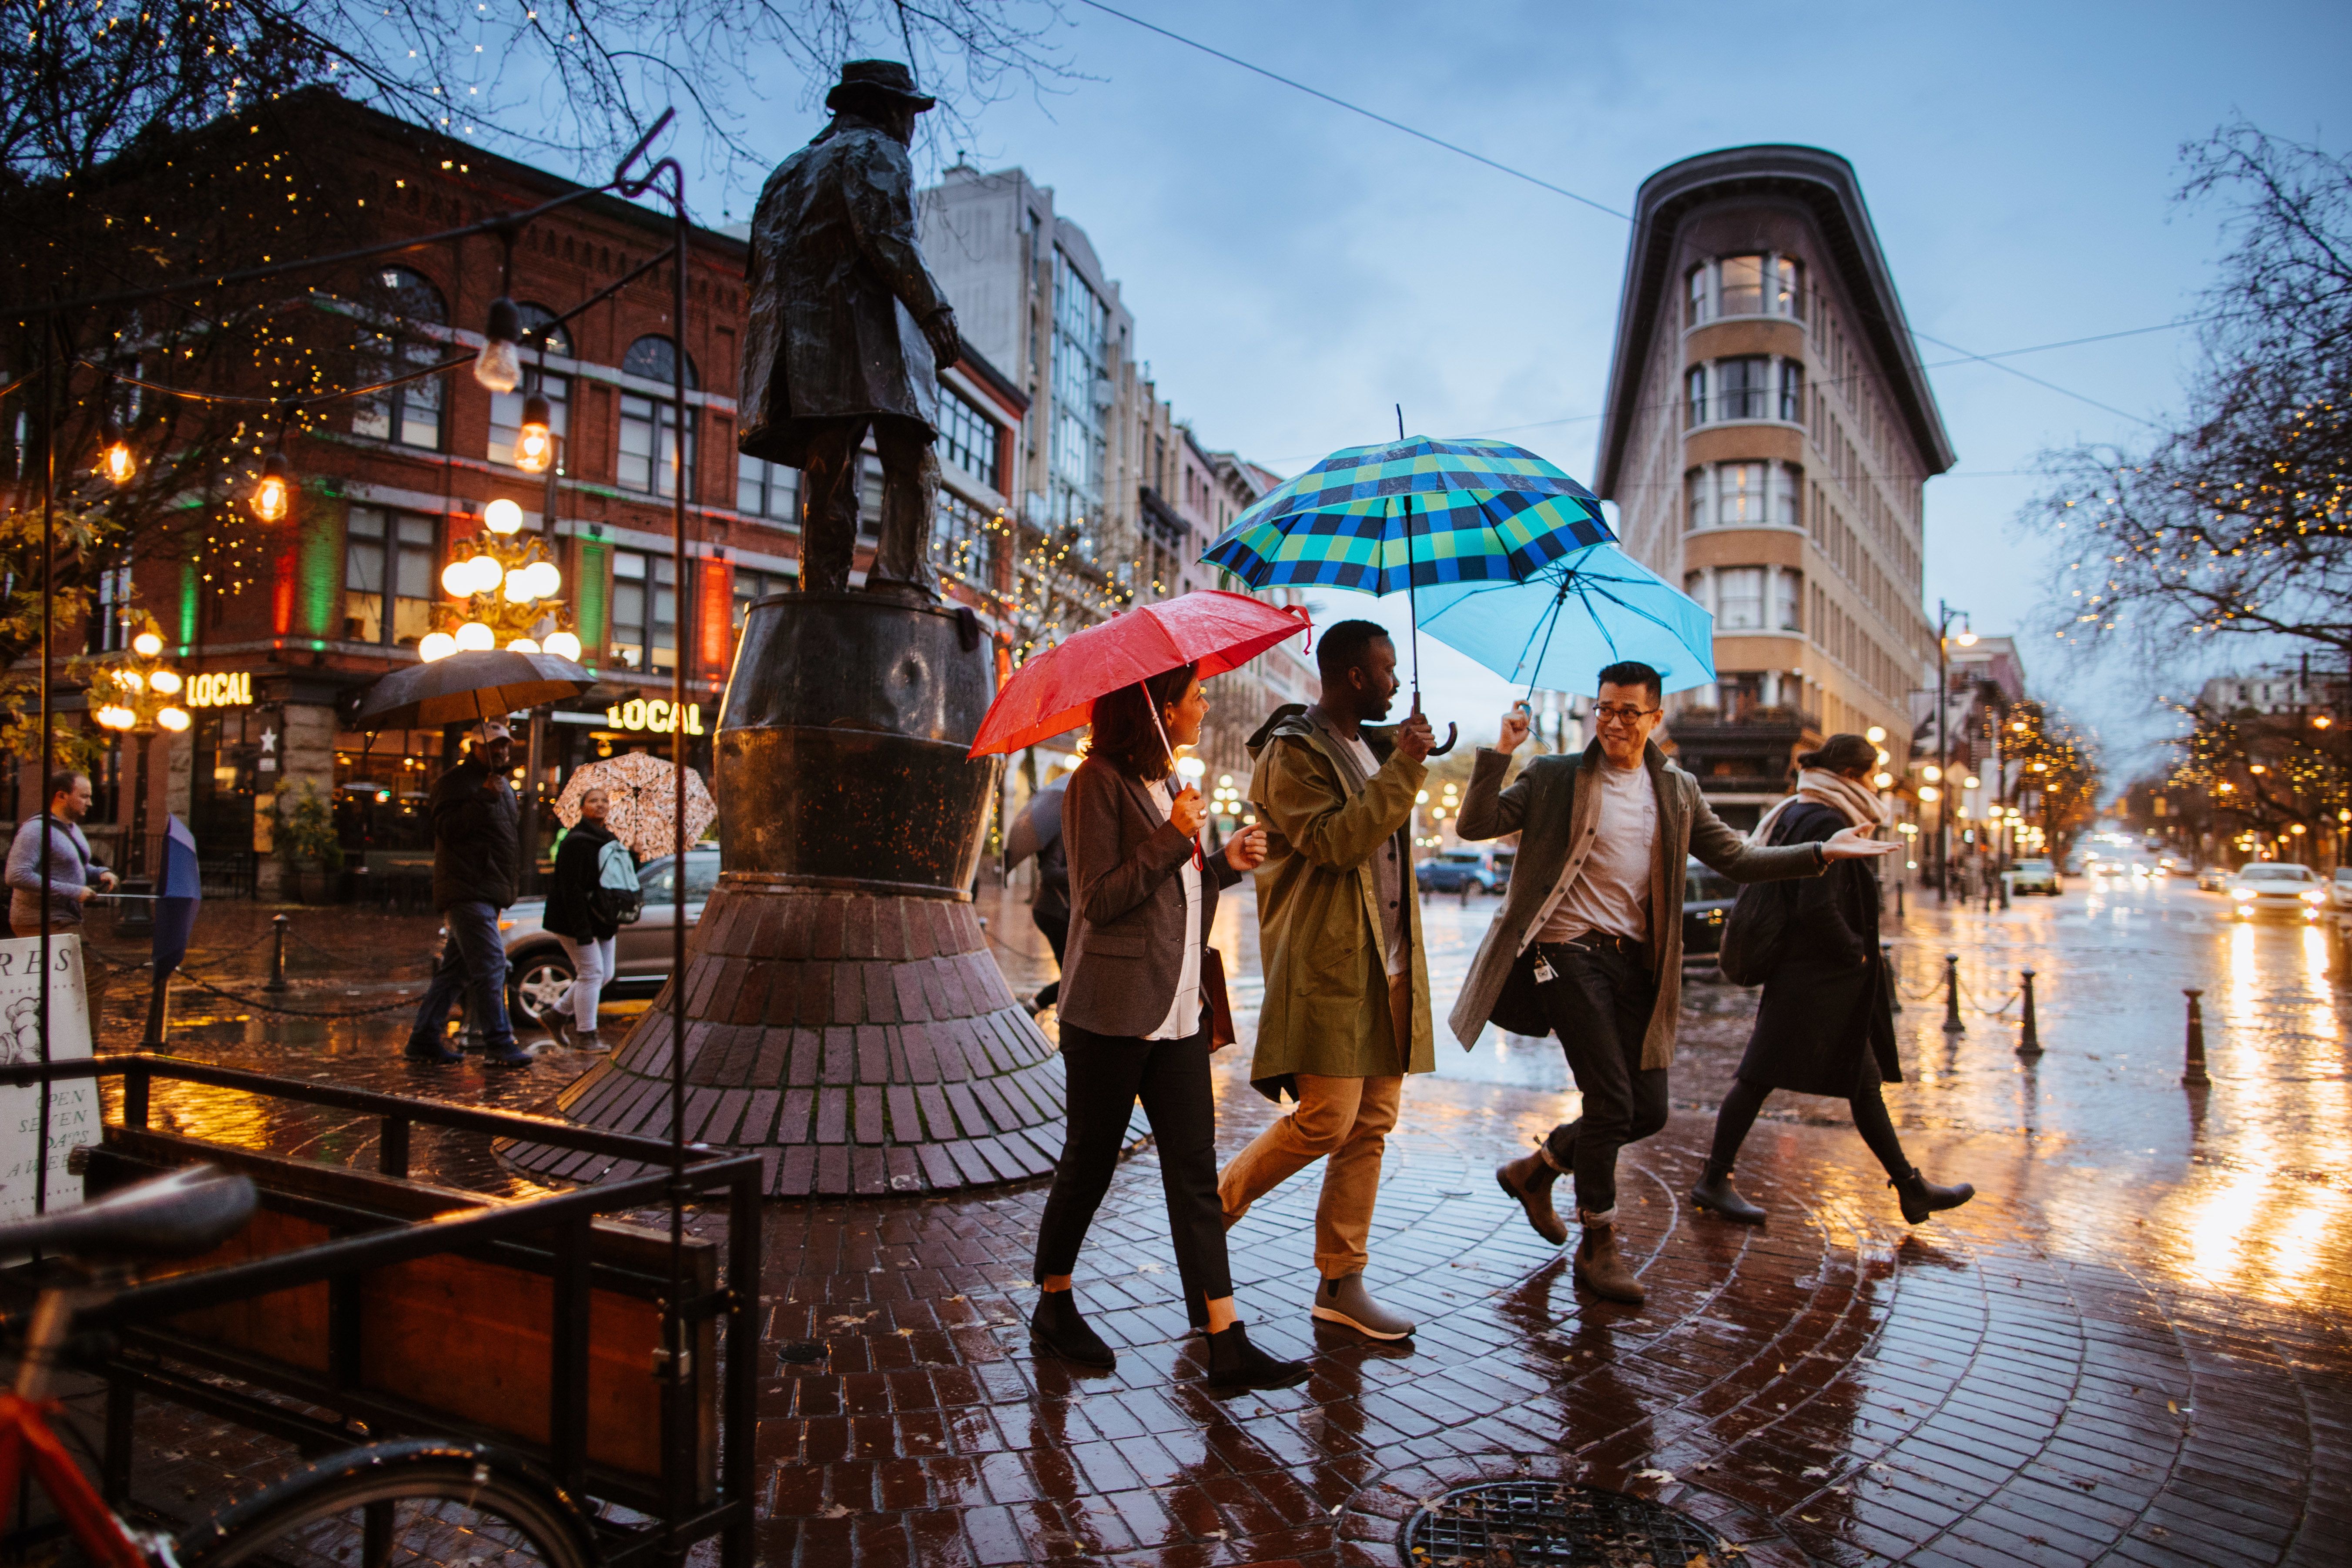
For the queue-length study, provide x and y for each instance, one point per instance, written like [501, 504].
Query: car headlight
[2313, 896]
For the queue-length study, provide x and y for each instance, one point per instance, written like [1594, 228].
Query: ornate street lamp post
[141, 695]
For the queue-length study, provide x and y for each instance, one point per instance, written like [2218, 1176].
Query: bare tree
[2239, 522]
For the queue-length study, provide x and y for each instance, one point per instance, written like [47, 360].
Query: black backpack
[1756, 931]
[616, 898]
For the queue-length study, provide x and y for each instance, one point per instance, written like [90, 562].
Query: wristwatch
[1821, 855]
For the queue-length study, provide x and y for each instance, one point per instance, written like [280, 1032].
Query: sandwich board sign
[73, 1105]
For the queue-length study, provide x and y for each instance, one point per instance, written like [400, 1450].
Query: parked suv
[539, 972]
[2034, 876]
[2278, 888]
[1452, 870]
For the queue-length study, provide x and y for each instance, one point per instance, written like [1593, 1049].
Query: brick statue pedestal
[844, 1018]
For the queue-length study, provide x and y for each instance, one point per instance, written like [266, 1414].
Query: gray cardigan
[71, 870]
[1126, 903]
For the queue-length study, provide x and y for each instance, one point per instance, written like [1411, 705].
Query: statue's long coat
[835, 288]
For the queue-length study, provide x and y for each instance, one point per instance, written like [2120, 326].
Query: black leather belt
[1592, 939]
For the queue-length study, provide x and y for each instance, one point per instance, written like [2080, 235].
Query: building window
[1694, 396]
[1742, 388]
[1694, 310]
[1742, 495]
[1792, 391]
[751, 585]
[644, 610]
[768, 490]
[959, 541]
[506, 412]
[109, 616]
[1739, 598]
[1739, 285]
[1082, 401]
[1788, 287]
[967, 439]
[1785, 480]
[649, 458]
[387, 550]
[398, 302]
[1789, 602]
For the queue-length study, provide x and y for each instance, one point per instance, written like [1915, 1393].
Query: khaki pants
[1344, 1123]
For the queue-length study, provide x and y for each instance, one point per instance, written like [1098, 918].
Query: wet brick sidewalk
[2130, 1348]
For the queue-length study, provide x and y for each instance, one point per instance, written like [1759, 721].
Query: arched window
[506, 407]
[648, 425]
[396, 301]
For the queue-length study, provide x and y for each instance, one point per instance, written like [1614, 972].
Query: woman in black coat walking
[571, 917]
[1823, 1027]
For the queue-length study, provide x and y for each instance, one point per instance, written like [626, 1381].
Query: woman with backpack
[581, 915]
[1823, 1027]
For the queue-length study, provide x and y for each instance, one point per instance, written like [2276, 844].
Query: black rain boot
[1236, 1365]
[1921, 1197]
[1716, 1191]
[1055, 1325]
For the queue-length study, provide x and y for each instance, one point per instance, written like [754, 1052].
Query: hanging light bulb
[166, 681]
[563, 645]
[147, 645]
[273, 493]
[172, 719]
[523, 645]
[435, 645]
[503, 516]
[473, 635]
[534, 445]
[497, 367]
[118, 462]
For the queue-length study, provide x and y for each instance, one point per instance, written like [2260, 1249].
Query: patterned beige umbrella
[643, 809]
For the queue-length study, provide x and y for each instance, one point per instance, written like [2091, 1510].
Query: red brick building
[393, 488]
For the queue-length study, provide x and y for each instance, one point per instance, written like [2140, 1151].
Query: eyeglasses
[1609, 713]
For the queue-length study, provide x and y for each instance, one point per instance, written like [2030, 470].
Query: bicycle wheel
[418, 1502]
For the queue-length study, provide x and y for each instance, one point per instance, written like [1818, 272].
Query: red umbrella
[1054, 692]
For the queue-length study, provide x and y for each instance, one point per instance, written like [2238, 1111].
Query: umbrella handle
[1453, 734]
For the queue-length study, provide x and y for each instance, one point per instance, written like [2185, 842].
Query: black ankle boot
[1716, 1191]
[1057, 1326]
[1236, 1364]
[1921, 1197]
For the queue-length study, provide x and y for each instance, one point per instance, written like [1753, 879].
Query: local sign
[656, 714]
[226, 688]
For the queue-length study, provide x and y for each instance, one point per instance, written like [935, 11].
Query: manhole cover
[1522, 1524]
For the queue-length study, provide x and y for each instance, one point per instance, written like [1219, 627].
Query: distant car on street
[539, 972]
[2341, 889]
[1452, 870]
[2213, 880]
[1707, 898]
[2035, 877]
[2277, 889]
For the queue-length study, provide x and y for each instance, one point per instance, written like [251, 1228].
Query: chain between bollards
[2193, 1075]
[277, 953]
[1952, 1025]
[2028, 1043]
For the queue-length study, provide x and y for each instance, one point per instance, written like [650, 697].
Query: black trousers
[1870, 1118]
[1056, 927]
[1105, 1074]
[829, 482]
[1599, 1004]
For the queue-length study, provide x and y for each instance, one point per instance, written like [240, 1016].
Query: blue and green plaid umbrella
[1412, 513]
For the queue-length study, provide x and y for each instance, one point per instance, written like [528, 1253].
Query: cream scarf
[1819, 784]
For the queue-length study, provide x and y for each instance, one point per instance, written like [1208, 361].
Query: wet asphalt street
[2130, 1348]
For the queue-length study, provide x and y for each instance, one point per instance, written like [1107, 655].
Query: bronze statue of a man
[847, 330]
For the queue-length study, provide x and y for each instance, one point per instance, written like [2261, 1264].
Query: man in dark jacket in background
[477, 857]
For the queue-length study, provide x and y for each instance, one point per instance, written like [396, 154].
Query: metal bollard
[1894, 986]
[277, 953]
[2002, 878]
[1898, 900]
[2029, 1043]
[1952, 1025]
[2193, 1076]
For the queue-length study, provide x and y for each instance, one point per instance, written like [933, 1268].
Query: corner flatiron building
[1767, 437]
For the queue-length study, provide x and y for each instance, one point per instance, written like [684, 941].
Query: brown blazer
[1126, 951]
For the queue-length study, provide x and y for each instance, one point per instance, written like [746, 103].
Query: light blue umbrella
[1557, 629]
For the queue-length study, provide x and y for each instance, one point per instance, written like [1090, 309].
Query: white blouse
[1184, 1014]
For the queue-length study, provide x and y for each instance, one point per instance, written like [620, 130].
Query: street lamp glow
[273, 492]
[563, 645]
[486, 574]
[1930, 794]
[503, 516]
[165, 681]
[147, 645]
[457, 579]
[1882, 780]
[115, 718]
[523, 645]
[1967, 638]
[1932, 773]
[544, 579]
[534, 446]
[435, 645]
[118, 463]
[518, 586]
[1876, 735]
[172, 719]
[1971, 782]
[474, 637]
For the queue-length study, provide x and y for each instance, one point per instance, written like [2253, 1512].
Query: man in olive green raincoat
[1346, 1013]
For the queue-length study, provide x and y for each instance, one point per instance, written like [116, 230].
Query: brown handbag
[1213, 987]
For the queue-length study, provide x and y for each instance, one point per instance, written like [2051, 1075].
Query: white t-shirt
[1613, 895]
[1183, 1013]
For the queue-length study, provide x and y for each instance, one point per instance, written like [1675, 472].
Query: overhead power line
[1543, 183]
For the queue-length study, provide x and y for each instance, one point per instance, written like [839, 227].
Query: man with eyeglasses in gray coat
[1589, 942]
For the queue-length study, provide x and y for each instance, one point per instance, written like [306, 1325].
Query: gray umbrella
[485, 683]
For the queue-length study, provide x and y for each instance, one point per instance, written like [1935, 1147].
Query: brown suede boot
[1529, 1179]
[1601, 1267]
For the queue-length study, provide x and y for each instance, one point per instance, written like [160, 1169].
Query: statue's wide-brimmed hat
[885, 76]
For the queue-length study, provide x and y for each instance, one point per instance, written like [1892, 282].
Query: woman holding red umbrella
[1134, 1016]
